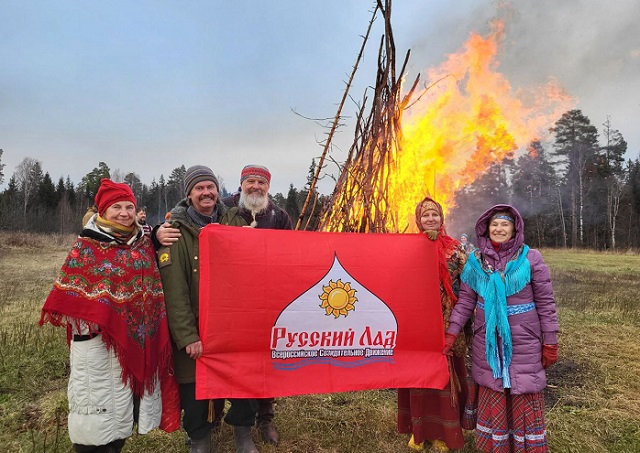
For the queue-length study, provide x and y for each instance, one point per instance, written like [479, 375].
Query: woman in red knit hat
[109, 297]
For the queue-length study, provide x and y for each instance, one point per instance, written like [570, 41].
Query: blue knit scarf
[495, 287]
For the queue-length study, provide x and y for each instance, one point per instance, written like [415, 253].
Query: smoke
[591, 48]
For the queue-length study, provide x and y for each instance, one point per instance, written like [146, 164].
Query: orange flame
[469, 118]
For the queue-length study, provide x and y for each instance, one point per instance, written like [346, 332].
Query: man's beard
[255, 202]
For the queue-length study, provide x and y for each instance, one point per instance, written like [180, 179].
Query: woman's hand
[449, 340]
[549, 355]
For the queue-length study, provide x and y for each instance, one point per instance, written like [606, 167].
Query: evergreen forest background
[577, 191]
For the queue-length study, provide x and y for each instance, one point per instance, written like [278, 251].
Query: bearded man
[141, 218]
[256, 210]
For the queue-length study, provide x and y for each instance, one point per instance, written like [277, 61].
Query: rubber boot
[439, 446]
[414, 446]
[267, 429]
[244, 441]
[269, 433]
[200, 445]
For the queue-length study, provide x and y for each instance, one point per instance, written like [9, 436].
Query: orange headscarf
[445, 244]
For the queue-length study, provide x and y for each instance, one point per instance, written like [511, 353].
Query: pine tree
[534, 186]
[133, 181]
[609, 181]
[291, 206]
[47, 197]
[175, 186]
[89, 184]
[576, 143]
[1, 167]
[9, 204]
[70, 191]
[28, 177]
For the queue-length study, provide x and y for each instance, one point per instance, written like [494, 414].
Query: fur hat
[111, 192]
[196, 174]
[255, 171]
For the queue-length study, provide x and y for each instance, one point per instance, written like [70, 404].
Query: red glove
[549, 355]
[449, 339]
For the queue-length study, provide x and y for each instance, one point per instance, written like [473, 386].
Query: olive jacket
[180, 270]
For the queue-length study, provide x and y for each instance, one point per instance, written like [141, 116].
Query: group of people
[498, 298]
[128, 297]
[178, 261]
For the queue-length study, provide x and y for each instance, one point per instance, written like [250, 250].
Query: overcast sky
[150, 85]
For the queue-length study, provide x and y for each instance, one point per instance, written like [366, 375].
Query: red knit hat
[255, 171]
[111, 192]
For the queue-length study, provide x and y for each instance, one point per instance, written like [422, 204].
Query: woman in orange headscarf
[430, 415]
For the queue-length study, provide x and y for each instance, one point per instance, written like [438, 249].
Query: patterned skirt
[510, 423]
[429, 415]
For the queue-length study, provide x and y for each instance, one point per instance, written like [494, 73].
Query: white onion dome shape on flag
[337, 316]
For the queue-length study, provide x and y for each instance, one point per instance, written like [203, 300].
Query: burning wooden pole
[359, 202]
[332, 131]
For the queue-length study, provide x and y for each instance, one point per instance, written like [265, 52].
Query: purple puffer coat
[529, 330]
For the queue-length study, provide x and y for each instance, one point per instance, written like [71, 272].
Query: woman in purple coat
[515, 333]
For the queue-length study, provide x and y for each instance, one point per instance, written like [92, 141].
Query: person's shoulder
[233, 218]
[179, 211]
[284, 222]
[232, 200]
[535, 258]
[534, 253]
[231, 212]
[531, 252]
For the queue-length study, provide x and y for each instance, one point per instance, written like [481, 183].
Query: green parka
[180, 270]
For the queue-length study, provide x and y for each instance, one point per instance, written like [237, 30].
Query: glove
[449, 339]
[549, 355]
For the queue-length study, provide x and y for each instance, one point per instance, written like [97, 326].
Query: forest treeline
[576, 191]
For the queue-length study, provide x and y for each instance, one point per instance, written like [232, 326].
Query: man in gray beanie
[196, 174]
[179, 268]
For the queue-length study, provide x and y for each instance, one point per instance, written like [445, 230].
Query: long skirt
[510, 423]
[429, 414]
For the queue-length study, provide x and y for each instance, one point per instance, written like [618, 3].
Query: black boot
[200, 445]
[269, 433]
[265, 424]
[244, 441]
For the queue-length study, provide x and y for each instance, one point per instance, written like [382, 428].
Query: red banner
[294, 312]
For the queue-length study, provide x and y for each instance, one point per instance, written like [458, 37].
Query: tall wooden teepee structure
[359, 202]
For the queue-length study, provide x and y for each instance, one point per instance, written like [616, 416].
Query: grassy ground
[593, 399]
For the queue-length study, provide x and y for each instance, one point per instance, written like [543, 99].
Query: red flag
[296, 312]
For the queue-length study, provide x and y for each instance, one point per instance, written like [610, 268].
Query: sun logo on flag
[338, 298]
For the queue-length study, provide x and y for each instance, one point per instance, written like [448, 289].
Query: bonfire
[433, 140]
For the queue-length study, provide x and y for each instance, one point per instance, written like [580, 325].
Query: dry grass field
[593, 399]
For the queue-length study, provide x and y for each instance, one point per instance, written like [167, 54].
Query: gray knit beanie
[196, 174]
